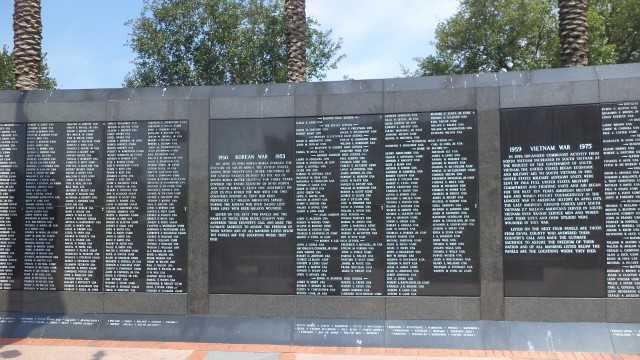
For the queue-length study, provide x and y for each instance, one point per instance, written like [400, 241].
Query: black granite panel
[252, 213]
[552, 179]
[380, 205]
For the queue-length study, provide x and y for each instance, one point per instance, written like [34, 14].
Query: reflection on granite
[441, 334]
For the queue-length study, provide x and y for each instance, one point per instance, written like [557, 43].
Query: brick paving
[45, 349]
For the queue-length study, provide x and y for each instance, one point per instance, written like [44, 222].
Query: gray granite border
[555, 309]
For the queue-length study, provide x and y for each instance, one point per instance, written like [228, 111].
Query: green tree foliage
[495, 35]
[620, 25]
[212, 42]
[8, 78]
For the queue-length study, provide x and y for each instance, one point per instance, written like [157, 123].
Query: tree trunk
[295, 25]
[27, 43]
[573, 32]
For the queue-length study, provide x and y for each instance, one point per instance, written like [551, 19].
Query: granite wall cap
[11, 96]
[550, 94]
[55, 96]
[430, 100]
[441, 82]
[158, 93]
[620, 71]
[261, 90]
[619, 90]
[547, 76]
[418, 83]
[476, 80]
[339, 87]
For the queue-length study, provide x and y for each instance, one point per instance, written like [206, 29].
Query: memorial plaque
[552, 177]
[12, 183]
[44, 207]
[431, 204]
[252, 211]
[621, 156]
[339, 205]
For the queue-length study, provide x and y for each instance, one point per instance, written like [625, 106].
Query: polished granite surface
[463, 335]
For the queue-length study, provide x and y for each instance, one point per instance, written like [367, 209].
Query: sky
[85, 40]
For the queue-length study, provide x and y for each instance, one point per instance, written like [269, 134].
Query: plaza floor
[52, 349]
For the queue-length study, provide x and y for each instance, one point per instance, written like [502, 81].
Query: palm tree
[295, 26]
[573, 32]
[27, 43]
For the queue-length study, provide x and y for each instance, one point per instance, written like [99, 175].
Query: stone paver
[369, 357]
[219, 355]
[52, 349]
[89, 353]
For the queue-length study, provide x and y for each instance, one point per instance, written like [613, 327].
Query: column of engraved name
[453, 179]
[338, 196]
[12, 147]
[43, 204]
[166, 206]
[361, 242]
[83, 220]
[406, 235]
[317, 226]
[621, 149]
[125, 206]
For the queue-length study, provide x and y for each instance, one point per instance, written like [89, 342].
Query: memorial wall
[511, 196]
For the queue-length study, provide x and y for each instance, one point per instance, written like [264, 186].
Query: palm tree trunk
[27, 43]
[573, 32]
[295, 25]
